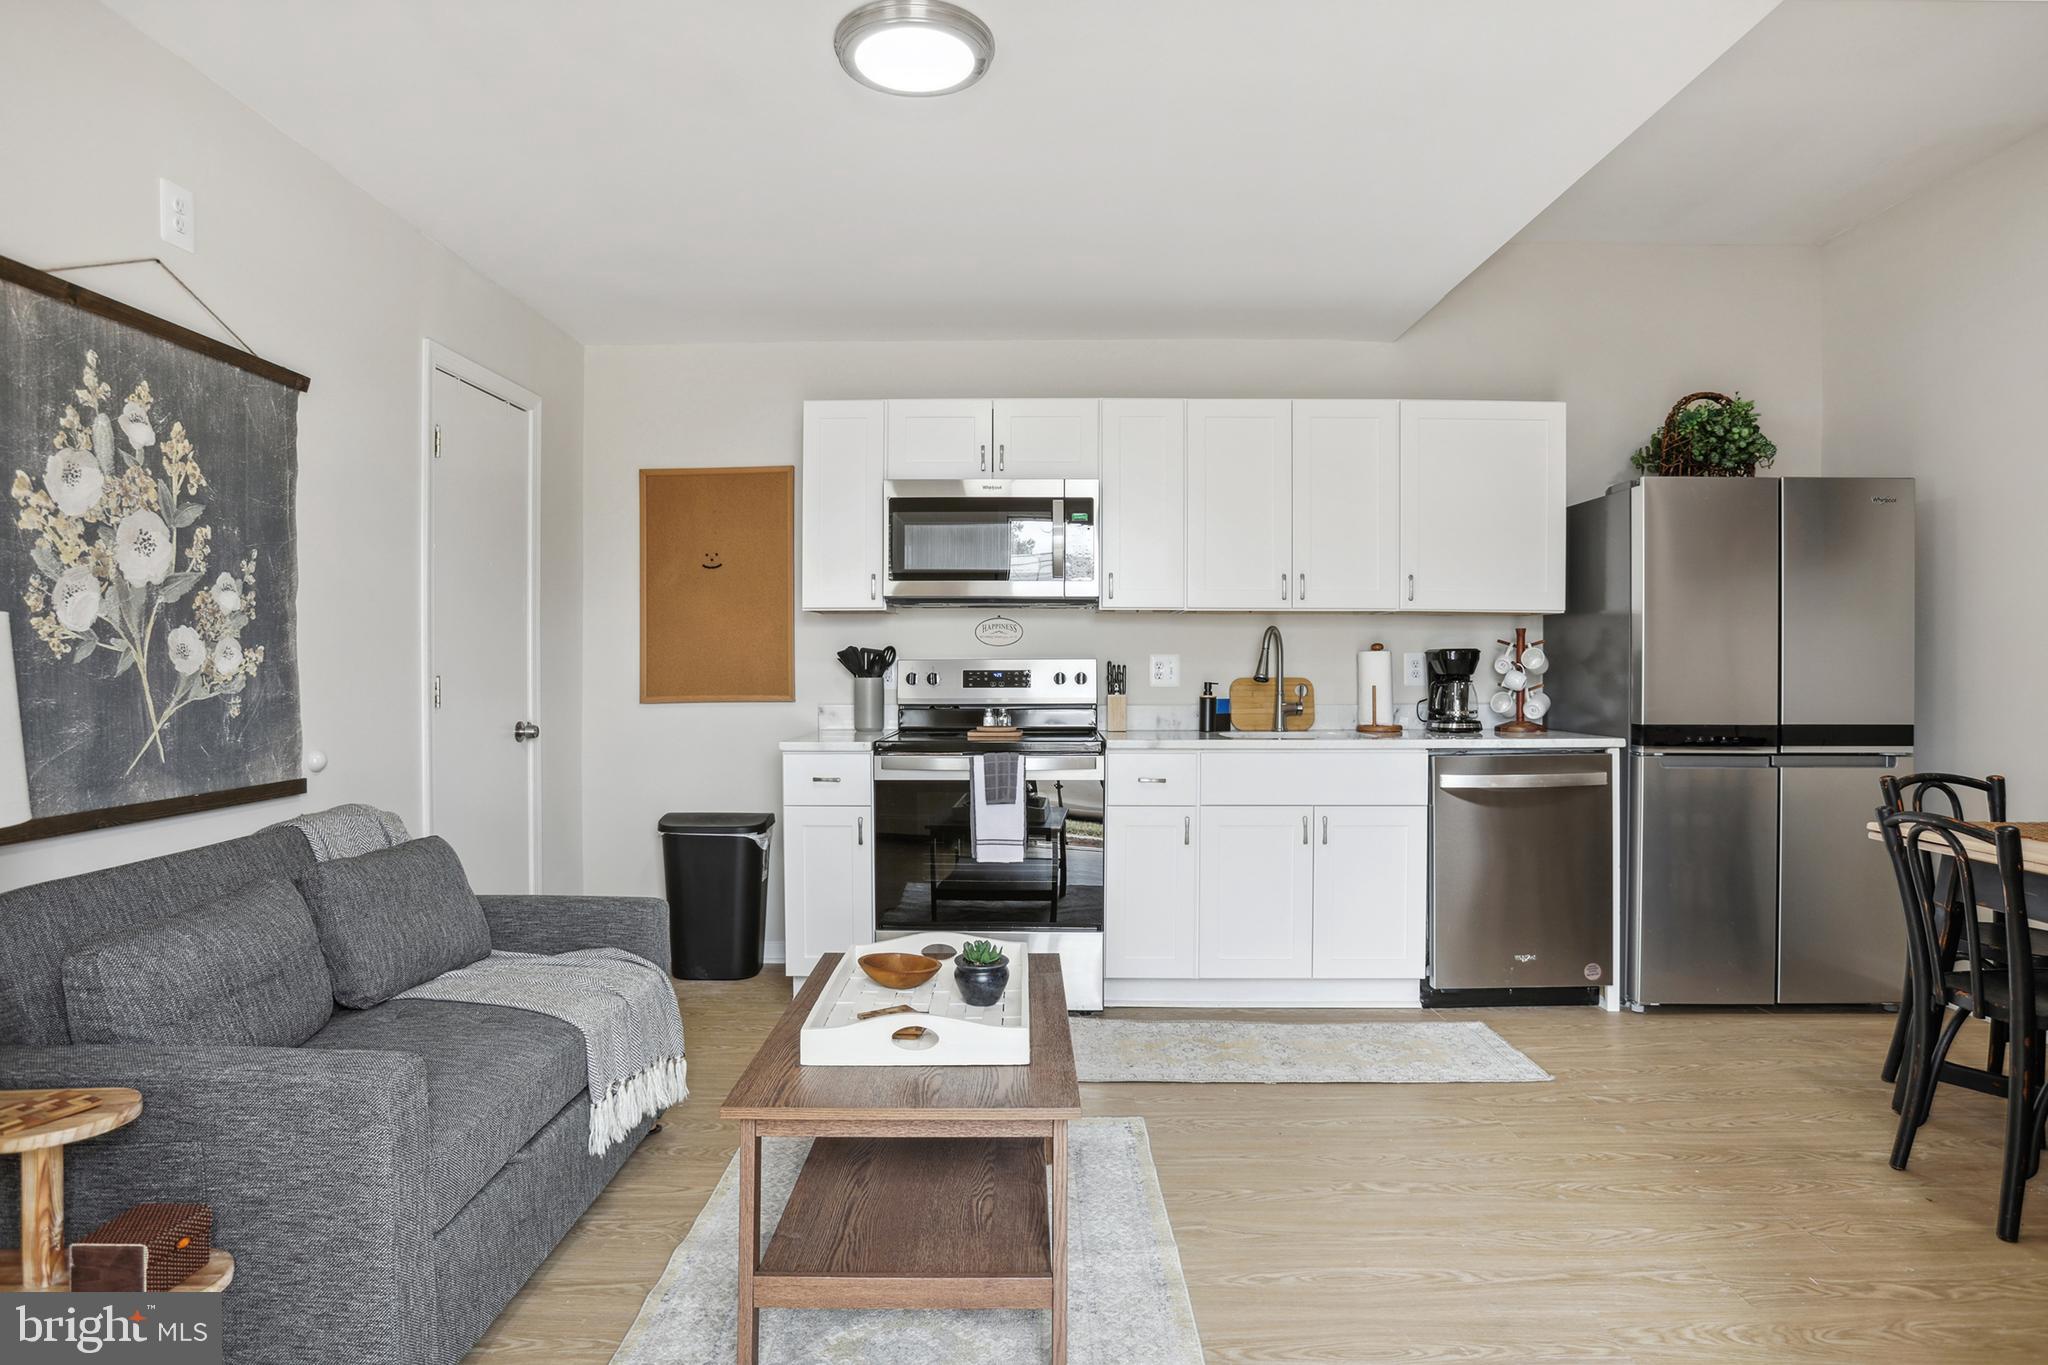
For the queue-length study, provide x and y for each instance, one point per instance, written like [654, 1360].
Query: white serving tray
[955, 1033]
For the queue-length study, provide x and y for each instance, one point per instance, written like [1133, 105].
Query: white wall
[318, 277]
[1616, 332]
[1936, 327]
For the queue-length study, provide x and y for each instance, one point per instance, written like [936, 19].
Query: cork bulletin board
[717, 584]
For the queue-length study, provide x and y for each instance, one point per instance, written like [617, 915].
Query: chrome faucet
[1273, 651]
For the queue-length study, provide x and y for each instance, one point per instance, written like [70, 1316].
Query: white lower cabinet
[828, 882]
[1371, 898]
[1150, 877]
[1258, 892]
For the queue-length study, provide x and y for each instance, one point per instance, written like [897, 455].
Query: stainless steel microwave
[992, 540]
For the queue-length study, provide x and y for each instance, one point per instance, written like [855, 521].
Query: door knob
[525, 730]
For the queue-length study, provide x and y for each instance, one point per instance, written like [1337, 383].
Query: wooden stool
[39, 1124]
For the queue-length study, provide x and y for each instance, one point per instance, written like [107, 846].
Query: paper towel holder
[1369, 722]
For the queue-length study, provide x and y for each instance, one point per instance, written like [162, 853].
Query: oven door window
[926, 875]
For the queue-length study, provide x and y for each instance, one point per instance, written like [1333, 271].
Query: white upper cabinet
[1240, 504]
[1047, 438]
[1144, 504]
[1482, 506]
[845, 451]
[941, 438]
[1347, 505]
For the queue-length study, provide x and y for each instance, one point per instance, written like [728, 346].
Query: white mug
[1536, 705]
[1534, 659]
[1502, 702]
[1516, 679]
[1506, 660]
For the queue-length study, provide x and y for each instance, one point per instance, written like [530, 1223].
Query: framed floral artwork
[150, 560]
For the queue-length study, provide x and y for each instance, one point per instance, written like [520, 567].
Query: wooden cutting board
[1251, 704]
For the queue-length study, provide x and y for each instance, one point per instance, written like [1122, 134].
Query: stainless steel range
[926, 874]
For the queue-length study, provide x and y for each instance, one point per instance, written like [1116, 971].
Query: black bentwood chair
[1996, 983]
[1911, 793]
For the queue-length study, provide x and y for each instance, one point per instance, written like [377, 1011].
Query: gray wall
[319, 277]
[1936, 319]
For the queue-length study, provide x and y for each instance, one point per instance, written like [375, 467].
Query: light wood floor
[1694, 1186]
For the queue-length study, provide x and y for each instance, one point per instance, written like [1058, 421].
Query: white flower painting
[119, 542]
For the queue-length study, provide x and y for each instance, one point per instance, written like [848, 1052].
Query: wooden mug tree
[1521, 724]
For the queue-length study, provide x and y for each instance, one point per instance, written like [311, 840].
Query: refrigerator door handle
[1836, 761]
[1712, 760]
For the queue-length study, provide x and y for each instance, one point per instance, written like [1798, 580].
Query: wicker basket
[1674, 453]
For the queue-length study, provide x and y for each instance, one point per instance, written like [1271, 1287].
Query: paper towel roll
[13, 771]
[1375, 670]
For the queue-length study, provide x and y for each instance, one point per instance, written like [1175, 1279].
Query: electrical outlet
[1411, 670]
[174, 214]
[1166, 670]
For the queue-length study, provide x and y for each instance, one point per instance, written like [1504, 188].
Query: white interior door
[482, 779]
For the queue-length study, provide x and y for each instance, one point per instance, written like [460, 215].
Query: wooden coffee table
[925, 1186]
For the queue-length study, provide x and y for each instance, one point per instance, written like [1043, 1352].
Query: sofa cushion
[241, 970]
[41, 924]
[495, 1076]
[392, 919]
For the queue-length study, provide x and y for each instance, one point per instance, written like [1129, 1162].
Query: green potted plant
[982, 972]
[1708, 434]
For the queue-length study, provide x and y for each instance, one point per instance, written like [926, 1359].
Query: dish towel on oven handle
[997, 807]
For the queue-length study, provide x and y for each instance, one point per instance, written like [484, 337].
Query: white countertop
[860, 741]
[1351, 739]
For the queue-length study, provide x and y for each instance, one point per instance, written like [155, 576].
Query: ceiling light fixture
[914, 47]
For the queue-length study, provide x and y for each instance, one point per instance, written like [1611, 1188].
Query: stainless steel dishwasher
[1521, 871]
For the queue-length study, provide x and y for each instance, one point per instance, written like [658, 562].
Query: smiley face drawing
[712, 561]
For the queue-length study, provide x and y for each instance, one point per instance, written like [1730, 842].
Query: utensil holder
[867, 703]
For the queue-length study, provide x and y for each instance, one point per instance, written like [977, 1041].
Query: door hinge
[437, 691]
[437, 440]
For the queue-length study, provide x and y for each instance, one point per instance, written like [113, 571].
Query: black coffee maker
[1453, 706]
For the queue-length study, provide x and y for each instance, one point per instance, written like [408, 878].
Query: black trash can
[717, 872]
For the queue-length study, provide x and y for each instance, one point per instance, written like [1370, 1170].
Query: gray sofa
[387, 1186]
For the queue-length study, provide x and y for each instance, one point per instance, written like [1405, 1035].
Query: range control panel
[1009, 680]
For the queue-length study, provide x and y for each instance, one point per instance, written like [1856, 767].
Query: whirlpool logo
[121, 1327]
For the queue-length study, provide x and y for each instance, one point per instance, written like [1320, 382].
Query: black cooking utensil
[849, 659]
[887, 661]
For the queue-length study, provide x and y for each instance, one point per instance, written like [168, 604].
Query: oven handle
[1059, 540]
[954, 767]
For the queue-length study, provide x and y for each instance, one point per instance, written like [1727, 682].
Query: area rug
[1229, 1053]
[1127, 1303]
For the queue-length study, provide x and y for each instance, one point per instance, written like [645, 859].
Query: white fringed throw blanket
[620, 1002]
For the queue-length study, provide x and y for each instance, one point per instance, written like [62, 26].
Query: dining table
[1990, 894]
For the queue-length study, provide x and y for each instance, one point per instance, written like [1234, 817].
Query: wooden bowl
[899, 971]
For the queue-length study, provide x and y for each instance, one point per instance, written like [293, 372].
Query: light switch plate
[1166, 670]
[174, 214]
[1411, 670]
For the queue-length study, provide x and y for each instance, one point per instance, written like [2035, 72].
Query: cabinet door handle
[1411, 587]
[1002, 454]
[1283, 588]
[1304, 829]
[984, 456]
[1152, 781]
[873, 585]
[1303, 595]
[1187, 831]
[860, 830]
[1112, 584]
[824, 779]
[1326, 831]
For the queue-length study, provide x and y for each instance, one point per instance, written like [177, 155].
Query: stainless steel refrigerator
[1753, 638]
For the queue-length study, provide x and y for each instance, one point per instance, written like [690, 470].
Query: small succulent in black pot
[982, 972]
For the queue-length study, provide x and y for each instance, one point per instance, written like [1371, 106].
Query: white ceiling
[670, 170]
[1828, 112]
